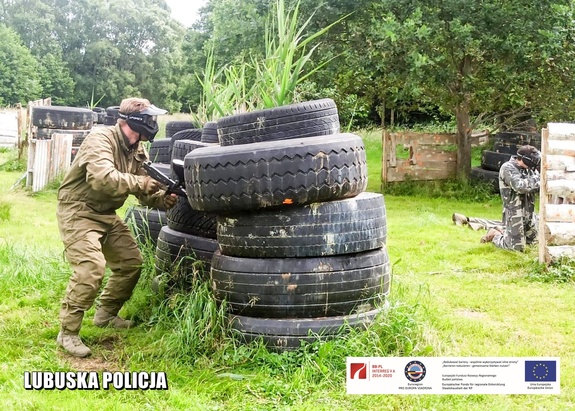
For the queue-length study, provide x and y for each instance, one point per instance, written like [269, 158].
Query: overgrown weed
[13, 163]
[5, 210]
[560, 272]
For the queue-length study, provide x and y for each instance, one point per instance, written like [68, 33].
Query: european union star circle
[540, 370]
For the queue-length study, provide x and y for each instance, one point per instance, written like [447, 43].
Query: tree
[473, 57]
[19, 77]
[101, 48]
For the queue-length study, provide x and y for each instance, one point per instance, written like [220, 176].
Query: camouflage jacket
[105, 171]
[518, 187]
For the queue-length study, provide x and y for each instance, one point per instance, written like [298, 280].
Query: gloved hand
[151, 186]
[170, 200]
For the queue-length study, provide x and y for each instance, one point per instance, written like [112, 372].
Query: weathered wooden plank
[391, 146]
[561, 131]
[560, 233]
[554, 253]
[543, 198]
[561, 188]
[41, 165]
[560, 175]
[558, 162]
[424, 138]
[428, 170]
[560, 213]
[427, 154]
[61, 155]
[562, 147]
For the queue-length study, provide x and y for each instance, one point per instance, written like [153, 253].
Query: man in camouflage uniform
[107, 168]
[518, 184]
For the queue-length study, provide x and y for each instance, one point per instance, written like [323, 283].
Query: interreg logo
[415, 371]
[540, 370]
[358, 371]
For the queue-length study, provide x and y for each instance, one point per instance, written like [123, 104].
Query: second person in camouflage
[518, 184]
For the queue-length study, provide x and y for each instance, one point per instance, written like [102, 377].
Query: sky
[185, 11]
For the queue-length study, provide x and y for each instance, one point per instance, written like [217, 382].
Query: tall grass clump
[5, 211]
[26, 272]
[13, 163]
[274, 78]
[287, 52]
[559, 272]
[181, 307]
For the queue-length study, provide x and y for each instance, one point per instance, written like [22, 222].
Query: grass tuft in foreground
[562, 271]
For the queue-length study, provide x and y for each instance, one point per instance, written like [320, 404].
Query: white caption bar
[459, 375]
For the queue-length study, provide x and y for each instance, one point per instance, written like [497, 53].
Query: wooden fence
[421, 156]
[557, 193]
[47, 159]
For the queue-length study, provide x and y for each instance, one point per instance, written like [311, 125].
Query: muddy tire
[61, 117]
[210, 133]
[486, 176]
[185, 219]
[182, 217]
[286, 334]
[183, 253]
[491, 160]
[518, 138]
[112, 115]
[182, 147]
[310, 118]
[145, 223]
[348, 226]
[78, 136]
[502, 148]
[291, 172]
[172, 127]
[301, 287]
[160, 151]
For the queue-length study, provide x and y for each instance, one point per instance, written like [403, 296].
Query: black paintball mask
[144, 122]
[531, 159]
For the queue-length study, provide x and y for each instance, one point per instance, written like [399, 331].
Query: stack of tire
[112, 115]
[99, 115]
[505, 145]
[147, 222]
[50, 120]
[187, 243]
[161, 150]
[302, 246]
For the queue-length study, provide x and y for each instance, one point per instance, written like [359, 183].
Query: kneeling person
[106, 170]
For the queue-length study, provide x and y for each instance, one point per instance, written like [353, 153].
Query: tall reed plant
[275, 78]
[288, 52]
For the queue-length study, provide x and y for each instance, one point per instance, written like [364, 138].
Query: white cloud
[186, 11]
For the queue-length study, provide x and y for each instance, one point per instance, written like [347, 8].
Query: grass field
[451, 296]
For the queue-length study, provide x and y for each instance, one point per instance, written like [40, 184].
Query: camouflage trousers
[477, 223]
[93, 241]
[520, 230]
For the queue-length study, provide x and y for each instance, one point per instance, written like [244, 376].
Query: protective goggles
[532, 161]
[144, 122]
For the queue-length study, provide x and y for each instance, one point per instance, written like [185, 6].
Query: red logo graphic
[358, 371]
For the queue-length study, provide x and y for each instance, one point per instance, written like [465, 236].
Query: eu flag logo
[540, 370]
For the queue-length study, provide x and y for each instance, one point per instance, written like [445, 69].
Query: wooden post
[61, 155]
[21, 126]
[38, 164]
[543, 197]
[383, 162]
[557, 193]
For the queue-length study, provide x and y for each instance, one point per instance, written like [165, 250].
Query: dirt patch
[104, 356]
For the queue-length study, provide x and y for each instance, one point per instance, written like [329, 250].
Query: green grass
[450, 296]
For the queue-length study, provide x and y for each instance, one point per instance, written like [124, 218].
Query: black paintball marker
[173, 186]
